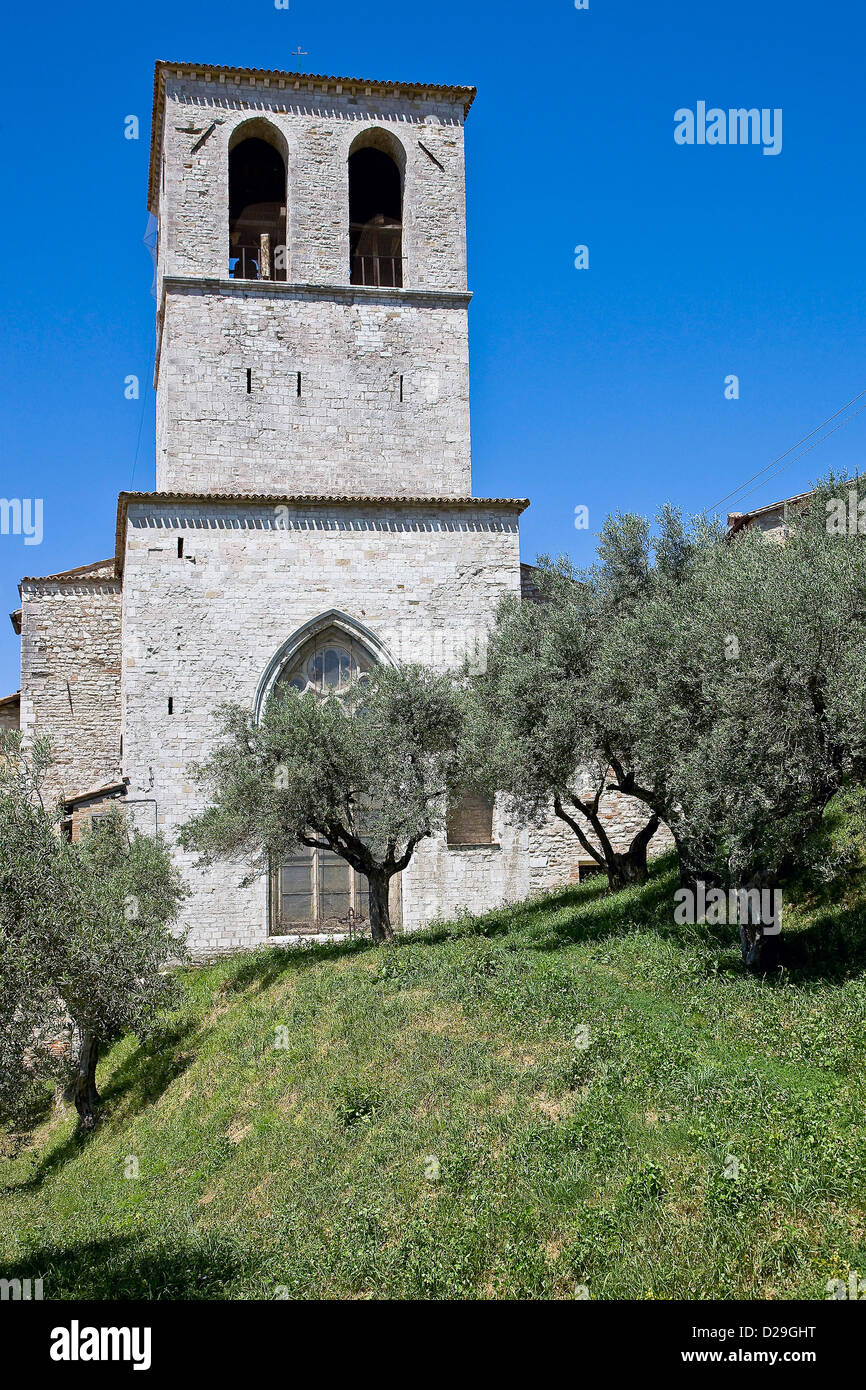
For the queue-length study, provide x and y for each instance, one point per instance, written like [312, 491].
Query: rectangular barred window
[316, 890]
[469, 819]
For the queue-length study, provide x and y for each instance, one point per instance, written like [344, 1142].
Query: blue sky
[601, 387]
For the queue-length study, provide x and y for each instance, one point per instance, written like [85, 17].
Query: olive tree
[546, 718]
[366, 778]
[116, 940]
[533, 725]
[741, 693]
[85, 934]
[31, 1012]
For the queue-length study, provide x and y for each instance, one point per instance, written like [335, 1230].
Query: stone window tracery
[331, 666]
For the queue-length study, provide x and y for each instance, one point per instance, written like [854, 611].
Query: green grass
[311, 1170]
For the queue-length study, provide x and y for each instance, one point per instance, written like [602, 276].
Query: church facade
[313, 512]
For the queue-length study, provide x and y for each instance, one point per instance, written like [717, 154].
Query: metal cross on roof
[299, 54]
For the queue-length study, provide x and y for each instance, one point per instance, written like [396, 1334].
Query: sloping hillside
[571, 1093]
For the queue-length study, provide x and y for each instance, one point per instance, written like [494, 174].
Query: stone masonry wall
[70, 677]
[422, 580]
[315, 131]
[384, 392]
[348, 430]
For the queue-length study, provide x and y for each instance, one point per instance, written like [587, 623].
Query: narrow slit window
[401, 388]
[180, 547]
[171, 704]
[249, 380]
[299, 383]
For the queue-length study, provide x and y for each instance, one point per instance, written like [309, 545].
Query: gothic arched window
[375, 213]
[315, 890]
[332, 664]
[257, 207]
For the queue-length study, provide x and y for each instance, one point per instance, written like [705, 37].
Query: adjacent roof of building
[10, 701]
[298, 81]
[737, 520]
[106, 789]
[99, 569]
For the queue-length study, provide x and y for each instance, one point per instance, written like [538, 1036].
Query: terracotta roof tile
[100, 569]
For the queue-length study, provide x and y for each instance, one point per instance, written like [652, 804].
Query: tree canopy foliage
[740, 693]
[86, 934]
[367, 778]
[718, 680]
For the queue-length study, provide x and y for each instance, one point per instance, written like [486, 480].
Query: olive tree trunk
[631, 866]
[760, 926]
[84, 1092]
[621, 867]
[380, 910]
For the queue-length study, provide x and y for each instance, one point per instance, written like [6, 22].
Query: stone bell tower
[311, 285]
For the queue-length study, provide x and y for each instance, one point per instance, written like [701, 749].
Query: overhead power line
[772, 464]
[804, 453]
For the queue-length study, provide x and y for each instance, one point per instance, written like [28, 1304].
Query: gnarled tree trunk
[380, 911]
[84, 1092]
[760, 925]
[631, 867]
[621, 867]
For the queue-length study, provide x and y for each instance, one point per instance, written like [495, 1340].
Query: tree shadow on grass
[151, 1067]
[829, 949]
[263, 967]
[578, 913]
[513, 917]
[124, 1267]
[143, 1076]
[607, 914]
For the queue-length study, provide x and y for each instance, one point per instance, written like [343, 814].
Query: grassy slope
[310, 1169]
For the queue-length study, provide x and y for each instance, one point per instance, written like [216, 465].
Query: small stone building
[313, 512]
[772, 520]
